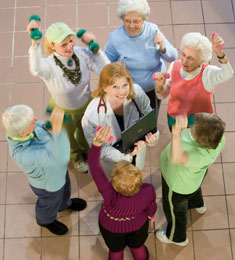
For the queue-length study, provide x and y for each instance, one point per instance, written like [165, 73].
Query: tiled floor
[211, 236]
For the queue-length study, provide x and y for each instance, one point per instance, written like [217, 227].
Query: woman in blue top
[140, 45]
[43, 156]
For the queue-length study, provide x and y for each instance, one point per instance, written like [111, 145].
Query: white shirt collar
[190, 75]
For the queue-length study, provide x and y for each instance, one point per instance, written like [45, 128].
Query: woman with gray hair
[192, 80]
[43, 156]
[140, 45]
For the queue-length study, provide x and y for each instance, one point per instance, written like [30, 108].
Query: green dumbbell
[48, 125]
[93, 46]
[171, 120]
[35, 33]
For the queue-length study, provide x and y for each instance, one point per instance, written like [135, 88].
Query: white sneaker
[201, 210]
[161, 235]
[81, 166]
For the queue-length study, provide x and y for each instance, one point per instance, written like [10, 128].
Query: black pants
[118, 241]
[154, 101]
[175, 208]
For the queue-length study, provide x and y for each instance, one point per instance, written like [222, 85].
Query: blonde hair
[126, 178]
[47, 47]
[16, 119]
[110, 73]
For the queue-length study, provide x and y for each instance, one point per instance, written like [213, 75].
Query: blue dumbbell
[93, 46]
[35, 34]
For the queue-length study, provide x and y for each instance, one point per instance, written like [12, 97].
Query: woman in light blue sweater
[140, 45]
[43, 156]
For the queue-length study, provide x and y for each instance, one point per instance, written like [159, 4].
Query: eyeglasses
[135, 22]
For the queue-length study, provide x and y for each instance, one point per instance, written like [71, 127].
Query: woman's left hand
[138, 147]
[151, 138]
[159, 39]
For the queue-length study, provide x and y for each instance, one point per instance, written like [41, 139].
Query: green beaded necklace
[73, 75]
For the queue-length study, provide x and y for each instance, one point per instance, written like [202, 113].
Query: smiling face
[190, 59]
[65, 48]
[118, 91]
[133, 23]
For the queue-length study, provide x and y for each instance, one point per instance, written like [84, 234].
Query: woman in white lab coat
[119, 104]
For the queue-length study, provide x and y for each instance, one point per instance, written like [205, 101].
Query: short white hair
[139, 6]
[16, 119]
[199, 42]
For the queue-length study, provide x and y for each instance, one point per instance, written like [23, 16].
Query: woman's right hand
[138, 147]
[181, 123]
[160, 81]
[33, 24]
[102, 135]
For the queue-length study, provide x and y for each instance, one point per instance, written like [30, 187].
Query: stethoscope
[103, 104]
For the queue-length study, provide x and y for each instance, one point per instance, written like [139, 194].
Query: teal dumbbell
[48, 125]
[35, 34]
[93, 46]
[171, 120]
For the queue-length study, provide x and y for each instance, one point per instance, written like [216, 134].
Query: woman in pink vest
[191, 79]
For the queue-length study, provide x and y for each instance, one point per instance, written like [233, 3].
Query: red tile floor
[211, 236]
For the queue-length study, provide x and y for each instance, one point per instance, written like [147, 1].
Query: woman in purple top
[128, 203]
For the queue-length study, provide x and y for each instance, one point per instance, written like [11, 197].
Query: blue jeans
[49, 203]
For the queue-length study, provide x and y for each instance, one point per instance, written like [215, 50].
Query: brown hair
[108, 76]
[209, 130]
[126, 178]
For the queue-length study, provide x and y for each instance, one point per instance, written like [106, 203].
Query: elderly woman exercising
[140, 45]
[43, 156]
[192, 79]
[184, 163]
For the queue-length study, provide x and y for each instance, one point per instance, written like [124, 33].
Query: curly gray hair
[139, 6]
[199, 42]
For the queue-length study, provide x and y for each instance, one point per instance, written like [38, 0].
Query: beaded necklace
[73, 75]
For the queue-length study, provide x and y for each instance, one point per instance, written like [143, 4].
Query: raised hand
[56, 118]
[102, 135]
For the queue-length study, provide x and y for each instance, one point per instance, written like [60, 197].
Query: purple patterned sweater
[130, 212]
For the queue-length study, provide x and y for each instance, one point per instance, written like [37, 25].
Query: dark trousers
[154, 101]
[176, 207]
[49, 203]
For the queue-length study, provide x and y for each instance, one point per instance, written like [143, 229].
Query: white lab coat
[91, 119]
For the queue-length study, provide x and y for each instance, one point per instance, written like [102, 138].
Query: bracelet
[220, 58]
[97, 141]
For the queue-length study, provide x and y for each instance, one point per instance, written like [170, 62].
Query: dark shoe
[77, 204]
[56, 228]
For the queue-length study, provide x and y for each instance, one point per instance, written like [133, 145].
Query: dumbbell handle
[35, 33]
[49, 110]
[93, 46]
[167, 76]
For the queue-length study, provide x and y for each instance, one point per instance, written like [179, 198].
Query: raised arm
[102, 183]
[177, 153]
